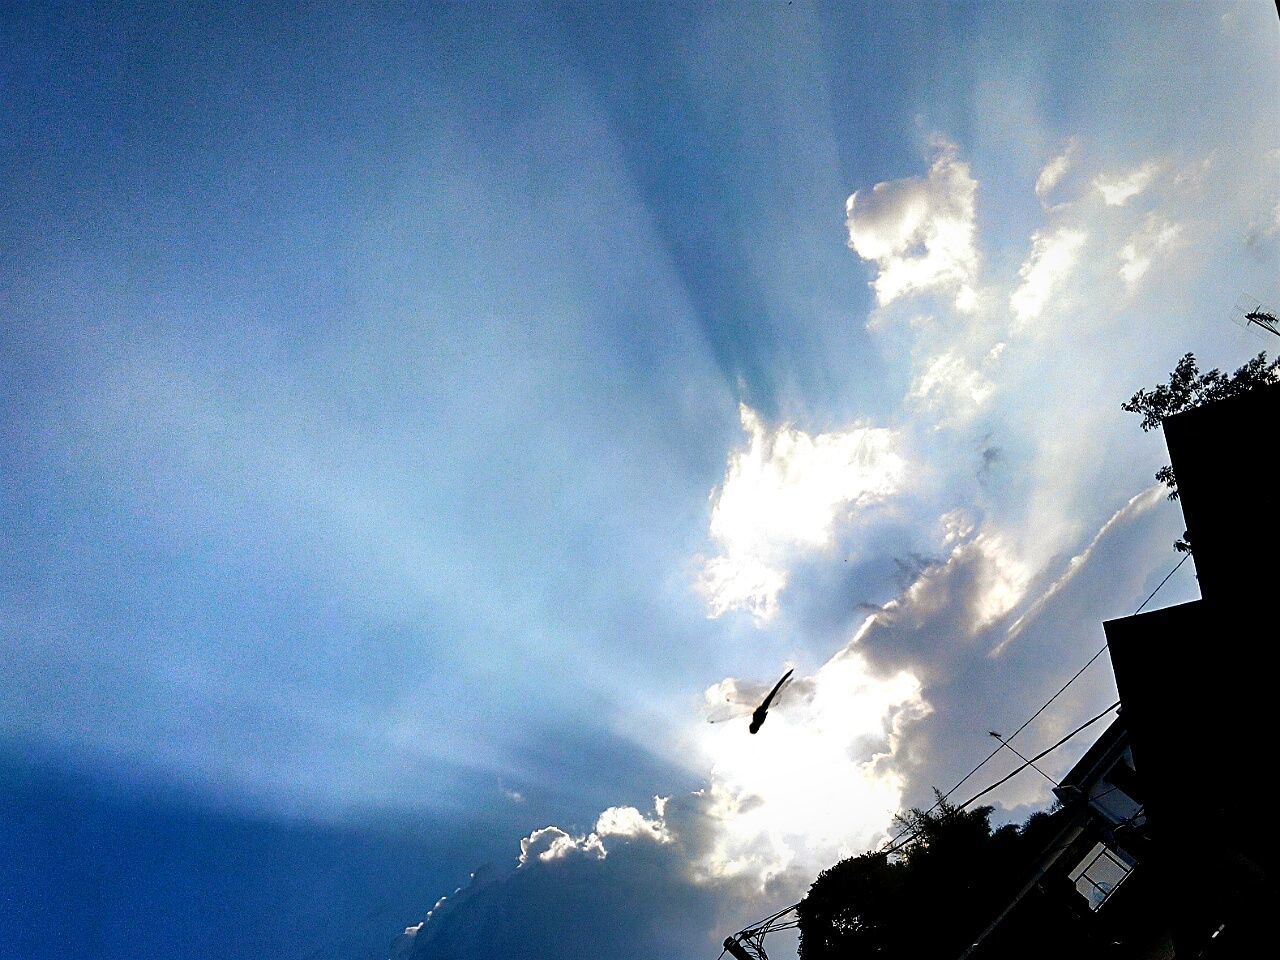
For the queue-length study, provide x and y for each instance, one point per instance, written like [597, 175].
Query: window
[1099, 874]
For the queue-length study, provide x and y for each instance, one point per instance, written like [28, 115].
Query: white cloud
[919, 231]
[1118, 189]
[630, 822]
[951, 384]
[742, 583]
[897, 708]
[1136, 506]
[785, 493]
[996, 579]
[1053, 256]
[816, 782]
[1193, 175]
[822, 780]
[1056, 169]
[1005, 581]
[1265, 229]
[957, 525]
[637, 903]
[824, 776]
[552, 843]
[1156, 235]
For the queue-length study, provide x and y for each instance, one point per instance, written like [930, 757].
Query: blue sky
[413, 413]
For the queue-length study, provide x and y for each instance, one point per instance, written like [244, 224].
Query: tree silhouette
[1188, 388]
[927, 900]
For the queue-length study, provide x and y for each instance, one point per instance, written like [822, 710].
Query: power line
[754, 935]
[1161, 584]
[1030, 720]
[757, 931]
[1043, 753]
[1013, 773]
[1014, 751]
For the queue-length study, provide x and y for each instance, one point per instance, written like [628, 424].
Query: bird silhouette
[762, 711]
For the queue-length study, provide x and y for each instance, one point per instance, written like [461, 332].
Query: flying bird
[762, 711]
[738, 708]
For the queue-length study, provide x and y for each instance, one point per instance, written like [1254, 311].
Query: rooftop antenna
[1249, 312]
[1263, 318]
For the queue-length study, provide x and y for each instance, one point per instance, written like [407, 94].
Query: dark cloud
[637, 902]
[936, 630]
[990, 457]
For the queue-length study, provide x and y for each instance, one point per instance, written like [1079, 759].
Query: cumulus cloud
[998, 574]
[630, 822]
[817, 781]
[919, 231]
[1154, 237]
[979, 582]
[782, 494]
[1053, 256]
[941, 629]
[552, 843]
[827, 772]
[951, 384]
[1118, 189]
[1053, 172]
[956, 525]
[815, 784]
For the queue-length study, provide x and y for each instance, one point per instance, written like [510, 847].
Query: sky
[418, 419]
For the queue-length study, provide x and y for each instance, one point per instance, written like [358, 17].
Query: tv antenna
[1256, 316]
[1262, 318]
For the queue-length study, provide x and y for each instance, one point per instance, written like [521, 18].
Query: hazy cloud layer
[1053, 171]
[1153, 238]
[1118, 189]
[1052, 258]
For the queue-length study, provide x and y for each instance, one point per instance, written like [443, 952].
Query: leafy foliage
[1189, 388]
[931, 898]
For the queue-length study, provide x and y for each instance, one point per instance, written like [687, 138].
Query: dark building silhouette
[1164, 842]
[1164, 847]
[1198, 689]
[1090, 892]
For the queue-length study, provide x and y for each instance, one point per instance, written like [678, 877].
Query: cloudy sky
[418, 419]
